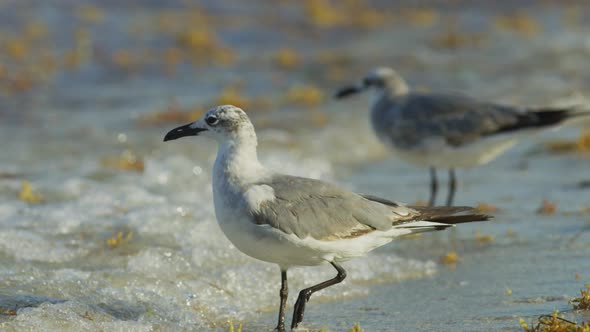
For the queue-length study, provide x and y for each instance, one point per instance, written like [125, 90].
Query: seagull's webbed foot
[299, 308]
[305, 294]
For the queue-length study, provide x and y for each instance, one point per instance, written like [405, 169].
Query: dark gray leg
[433, 186]
[305, 294]
[452, 186]
[284, 292]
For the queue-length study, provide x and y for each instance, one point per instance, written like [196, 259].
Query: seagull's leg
[433, 186]
[452, 186]
[305, 294]
[284, 292]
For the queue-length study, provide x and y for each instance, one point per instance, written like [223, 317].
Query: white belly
[271, 245]
[439, 154]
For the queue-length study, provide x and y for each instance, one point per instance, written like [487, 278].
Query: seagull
[446, 130]
[295, 221]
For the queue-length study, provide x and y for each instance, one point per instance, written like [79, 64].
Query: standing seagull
[293, 221]
[445, 130]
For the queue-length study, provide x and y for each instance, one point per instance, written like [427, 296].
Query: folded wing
[313, 208]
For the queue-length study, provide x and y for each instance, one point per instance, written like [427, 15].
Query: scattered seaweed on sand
[547, 208]
[483, 239]
[580, 145]
[119, 239]
[304, 95]
[333, 14]
[518, 22]
[556, 322]
[287, 58]
[453, 37]
[230, 94]
[173, 113]
[582, 302]
[127, 161]
[420, 17]
[450, 258]
[510, 233]
[356, 328]
[28, 195]
[233, 95]
[553, 323]
[88, 316]
[231, 326]
[90, 14]
[482, 207]
[7, 312]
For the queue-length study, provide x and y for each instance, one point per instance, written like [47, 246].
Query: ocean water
[119, 233]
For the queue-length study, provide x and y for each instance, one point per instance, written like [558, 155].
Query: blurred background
[104, 227]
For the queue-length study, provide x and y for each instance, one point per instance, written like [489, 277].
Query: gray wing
[457, 119]
[307, 207]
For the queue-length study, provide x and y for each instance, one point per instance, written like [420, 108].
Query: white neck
[396, 86]
[237, 162]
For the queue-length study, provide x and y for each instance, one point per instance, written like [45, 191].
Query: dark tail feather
[552, 116]
[450, 214]
[543, 117]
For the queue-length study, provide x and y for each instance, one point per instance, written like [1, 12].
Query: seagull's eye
[212, 120]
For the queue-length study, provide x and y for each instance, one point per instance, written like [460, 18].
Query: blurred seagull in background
[446, 130]
[294, 221]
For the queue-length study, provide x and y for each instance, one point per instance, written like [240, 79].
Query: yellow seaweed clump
[519, 22]
[35, 30]
[453, 37]
[580, 145]
[356, 328]
[483, 239]
[304, 95]
[421, 17]
[195, 38]
[172, 114]
[125, 59]
[482, 207]
[16, 49]
[350, 13]
[28, 195]
[582, 302]
[553, 323]
[127, 161]
[583, 142]
[287, 58]
[451, 258]
[119, 239]
[323, 14]
[203, 46]
[7, 312]
[231, 326]
[547, 208]
[232, 95]
[90, 14]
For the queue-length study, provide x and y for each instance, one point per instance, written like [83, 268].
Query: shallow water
[62, 267]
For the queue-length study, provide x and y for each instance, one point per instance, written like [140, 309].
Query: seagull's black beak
[349, 90]
[182, 131]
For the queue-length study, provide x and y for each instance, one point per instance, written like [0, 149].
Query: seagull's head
[381, 79]
[222, 123]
